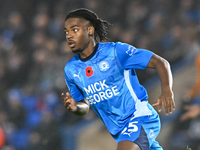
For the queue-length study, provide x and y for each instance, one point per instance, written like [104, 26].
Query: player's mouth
[71, 44]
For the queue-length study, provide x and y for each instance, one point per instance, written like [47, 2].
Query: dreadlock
[100, 26]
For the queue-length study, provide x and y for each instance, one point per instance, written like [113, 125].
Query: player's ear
[91, 30]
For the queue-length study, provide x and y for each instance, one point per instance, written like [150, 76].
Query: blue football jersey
[109, 82]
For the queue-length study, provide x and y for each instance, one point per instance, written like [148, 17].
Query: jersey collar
[91, 55]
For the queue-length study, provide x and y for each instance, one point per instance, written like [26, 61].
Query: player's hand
[166, 99]
[69, 102]
[193, 111]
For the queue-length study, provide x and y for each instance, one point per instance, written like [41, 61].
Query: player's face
[76, 30]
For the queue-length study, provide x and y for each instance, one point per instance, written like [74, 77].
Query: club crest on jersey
[131, 50]
[104, 65]
[89, 71]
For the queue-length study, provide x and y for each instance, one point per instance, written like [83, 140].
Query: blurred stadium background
[33, 53]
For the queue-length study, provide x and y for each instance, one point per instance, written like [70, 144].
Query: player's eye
[75, 30]
[66, 32]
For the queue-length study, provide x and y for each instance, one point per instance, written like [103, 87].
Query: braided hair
[100, 26]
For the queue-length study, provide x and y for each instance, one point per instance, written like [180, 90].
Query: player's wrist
[81, 109]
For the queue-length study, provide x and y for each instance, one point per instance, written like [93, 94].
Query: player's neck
[88, 50]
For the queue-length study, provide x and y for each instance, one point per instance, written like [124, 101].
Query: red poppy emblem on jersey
[89, 71]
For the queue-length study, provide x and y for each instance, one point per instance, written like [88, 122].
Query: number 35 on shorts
[132, 127]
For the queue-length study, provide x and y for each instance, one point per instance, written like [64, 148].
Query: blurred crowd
[33, 53]
[186, 129]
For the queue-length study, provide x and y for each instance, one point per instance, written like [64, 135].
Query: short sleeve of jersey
[74, 90]
[132, 58]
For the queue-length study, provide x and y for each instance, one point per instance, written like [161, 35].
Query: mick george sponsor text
[99, 91]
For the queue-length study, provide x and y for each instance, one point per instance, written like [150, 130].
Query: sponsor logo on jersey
[89, 71]
[77, 75]
[104, 65]
[100, 91]
[131, 50]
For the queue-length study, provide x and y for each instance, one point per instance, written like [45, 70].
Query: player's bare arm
[79, 108]
[164, 71]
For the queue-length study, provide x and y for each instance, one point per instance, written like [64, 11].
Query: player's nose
[69, 36]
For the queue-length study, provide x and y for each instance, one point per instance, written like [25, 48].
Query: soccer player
[102, 75]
